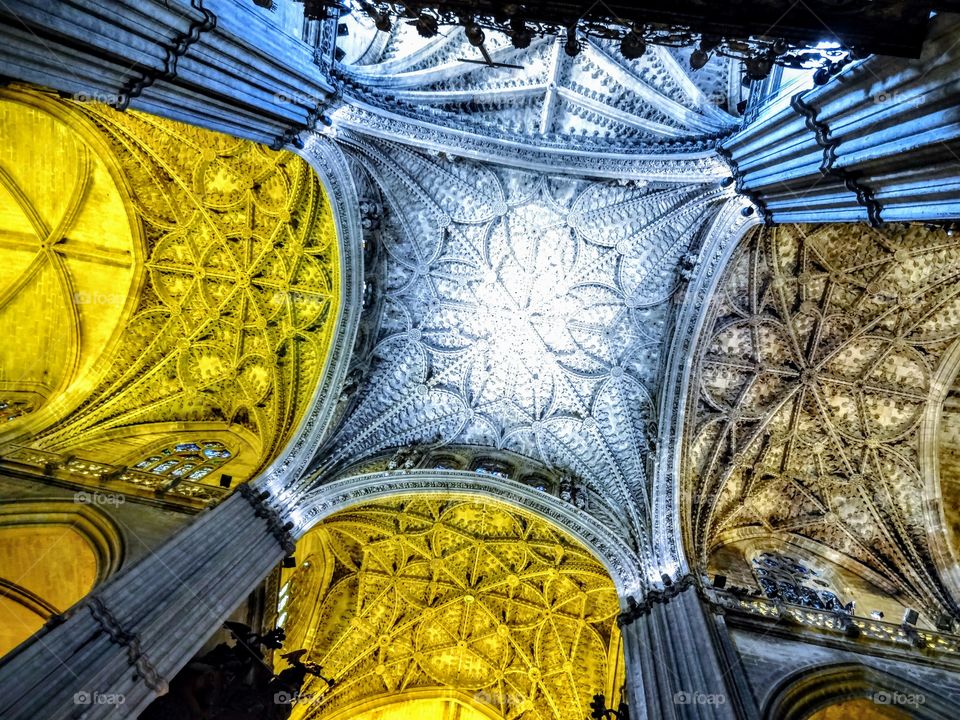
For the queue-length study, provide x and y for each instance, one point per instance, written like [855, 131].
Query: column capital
[263, 509]
[636, 609]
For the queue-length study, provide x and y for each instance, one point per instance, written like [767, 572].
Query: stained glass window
[188, 460]
[484, 466]
[784, 578]
[12, 409]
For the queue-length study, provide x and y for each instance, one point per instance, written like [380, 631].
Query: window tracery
[188, 460]
[782, 577]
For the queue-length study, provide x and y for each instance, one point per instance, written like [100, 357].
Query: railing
[851, 626]
[110, 477]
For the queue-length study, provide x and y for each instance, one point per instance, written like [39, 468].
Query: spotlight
[758, 68]
[572, 46]
[427, 25]
[821, 76]
[225, 480]
[698, 58]
[289, 561]
[474, 34]
[719, 581]
[746, 212]
[633, 46]
[383, 22]
[726, 182]
[910, 616]
[520, 34]
[945, 623]
[709, 43]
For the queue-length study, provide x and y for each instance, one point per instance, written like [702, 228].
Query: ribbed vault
[810, 387]
[451, 597]
[521, 311]
[197, 296]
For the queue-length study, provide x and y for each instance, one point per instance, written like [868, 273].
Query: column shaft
[131, 636]
[879, 142]
[215, 63]
[675, 667]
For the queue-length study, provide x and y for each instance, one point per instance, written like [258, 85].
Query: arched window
[781, 577]
[187, 461]
[12, 409]
[489, 466]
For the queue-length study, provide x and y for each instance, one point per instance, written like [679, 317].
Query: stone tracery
[453, 595]
[542, 93]
[242, 290]
[224, 308]
[528, 312]
[524, 312]
[811, 387]
[596, 113]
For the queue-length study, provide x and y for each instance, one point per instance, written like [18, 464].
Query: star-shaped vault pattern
[525, 312]
[453, 595]
[812, 387]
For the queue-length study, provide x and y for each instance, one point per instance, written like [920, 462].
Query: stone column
[219, 64]
[117, 649]
[879, 142]
[676, 663]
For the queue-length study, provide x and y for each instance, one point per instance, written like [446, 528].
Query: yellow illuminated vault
[447, 607]
[165, 284]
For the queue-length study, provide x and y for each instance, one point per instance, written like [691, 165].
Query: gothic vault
[359, 369]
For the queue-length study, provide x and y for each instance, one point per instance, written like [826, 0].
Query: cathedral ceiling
[69, 255]
[524, 312]
[223, 300]
[944, 454]
[441, 93]
[806, 419]
[452, 597]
